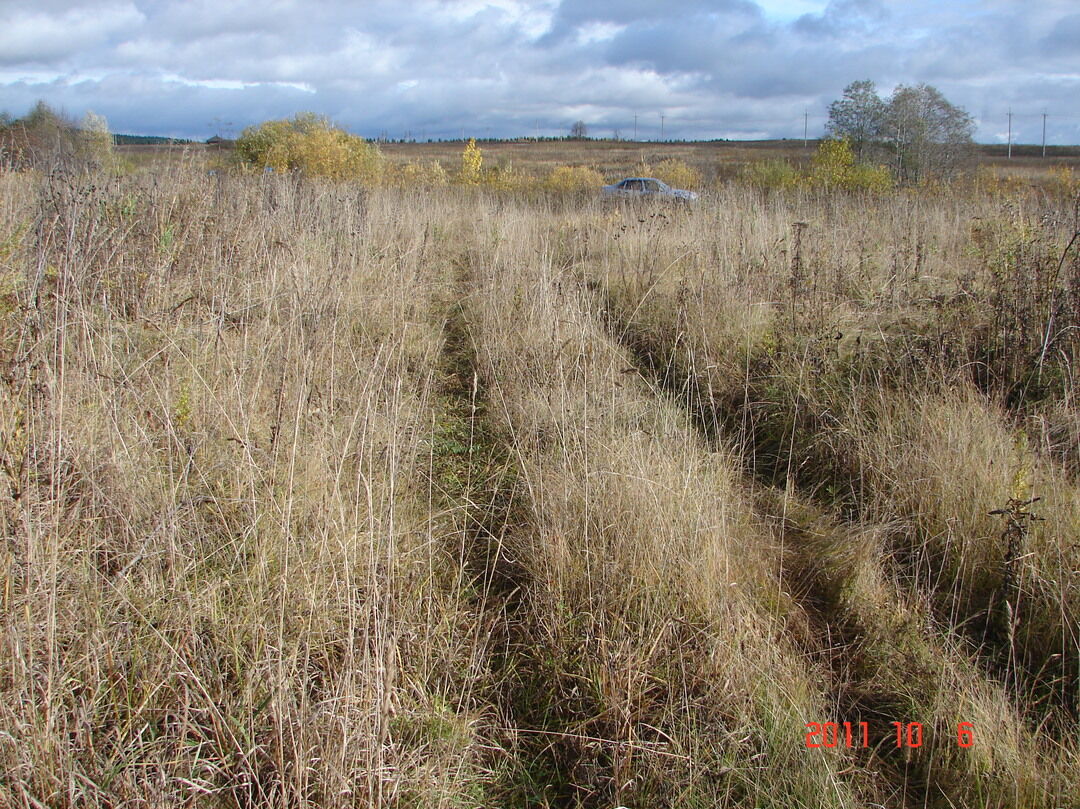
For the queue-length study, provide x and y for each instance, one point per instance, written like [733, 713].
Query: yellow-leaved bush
[312, 144]
[497, 177]
[834, 166]
[777, 174]
[574, 178]
[472, 164]
[1064, 180]
[421, 175]
[677, 174]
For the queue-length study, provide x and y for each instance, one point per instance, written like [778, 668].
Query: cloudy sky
[440, 68]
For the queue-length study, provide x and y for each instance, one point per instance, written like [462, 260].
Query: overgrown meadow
[441, 489]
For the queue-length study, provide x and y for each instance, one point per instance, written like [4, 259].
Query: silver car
[646, 188]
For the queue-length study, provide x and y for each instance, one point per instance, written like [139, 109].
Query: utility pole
[635, 128]
[661, 126]
[1010, 134]
[899, 152]
[1044, 135]
[805, 119]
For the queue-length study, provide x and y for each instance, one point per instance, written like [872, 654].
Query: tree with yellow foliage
[472, 163]
[834, 166]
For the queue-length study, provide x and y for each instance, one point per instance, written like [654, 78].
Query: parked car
[647, 188]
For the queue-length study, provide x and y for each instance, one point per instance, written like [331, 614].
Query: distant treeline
[147, 140]
[988, 149]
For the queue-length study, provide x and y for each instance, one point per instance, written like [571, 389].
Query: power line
[1020, 128]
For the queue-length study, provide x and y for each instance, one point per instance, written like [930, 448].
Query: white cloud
[233, 84]
[37, 37]
[714, 67]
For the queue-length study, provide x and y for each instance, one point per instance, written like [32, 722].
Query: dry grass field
[613, 159]
[313, 494]
[715, 161]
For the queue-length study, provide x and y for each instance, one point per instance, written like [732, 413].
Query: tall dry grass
[223, 574]
[650, 587]
[868, 353]
[317, 495]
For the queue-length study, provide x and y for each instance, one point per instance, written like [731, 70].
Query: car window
[624, 184]
[652, 186]
[633, 185]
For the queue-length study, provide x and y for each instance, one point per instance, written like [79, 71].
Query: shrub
[574, 178]
[95, 141]
[677, 174]
[834, 166]
[423, 175]
[506, 178]
[42, 137]
[772, 174]
[1065, 181]
[870, 178]
[311, 144]
[498, 177]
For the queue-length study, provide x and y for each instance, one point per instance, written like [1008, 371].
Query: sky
[692, 69]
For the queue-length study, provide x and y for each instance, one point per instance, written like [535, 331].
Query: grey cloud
[1064, 38]
[747, 57]
[9, 8]
[572, 15]
[31, 36]
[844, 18]
[207, 19]
[712, 66]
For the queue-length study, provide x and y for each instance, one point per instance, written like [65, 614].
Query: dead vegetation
[322, 495]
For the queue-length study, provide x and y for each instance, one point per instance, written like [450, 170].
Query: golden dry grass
[844, 355]
[318, 495]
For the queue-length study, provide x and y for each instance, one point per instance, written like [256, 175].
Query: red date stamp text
[857, 734]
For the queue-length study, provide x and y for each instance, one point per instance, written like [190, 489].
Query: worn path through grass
[888, 659]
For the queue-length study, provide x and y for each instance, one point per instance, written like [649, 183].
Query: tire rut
[476, 472]
[855, 645]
